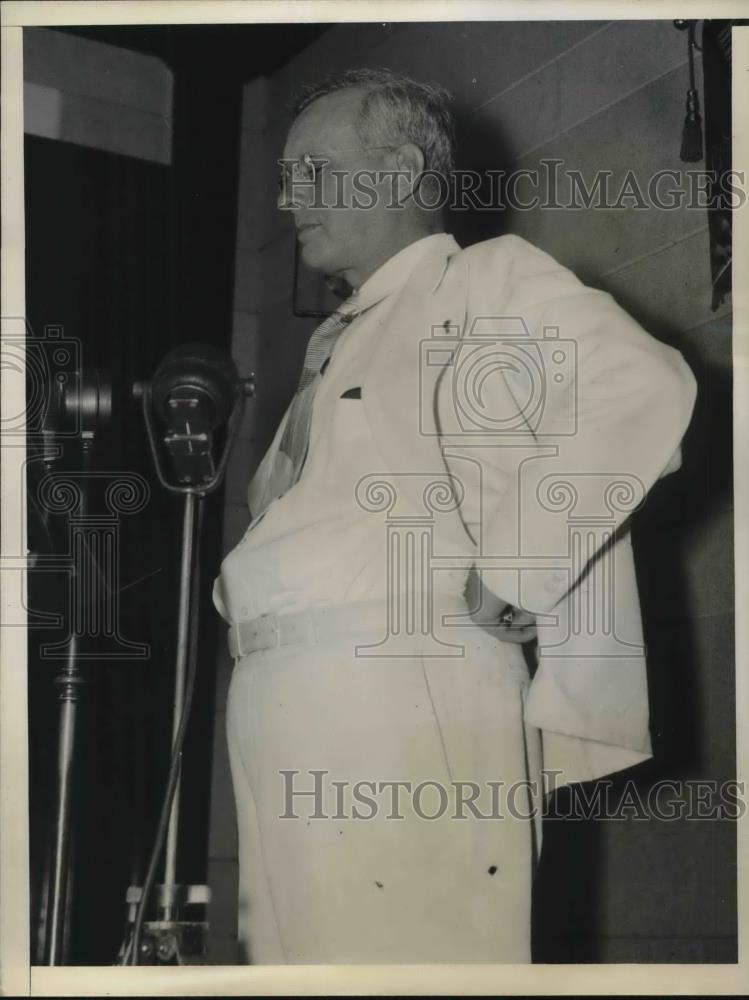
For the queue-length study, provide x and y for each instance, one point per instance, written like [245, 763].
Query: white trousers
[331, 878]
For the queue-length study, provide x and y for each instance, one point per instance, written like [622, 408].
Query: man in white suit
[455, 475]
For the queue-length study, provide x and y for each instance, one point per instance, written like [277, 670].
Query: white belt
[314, 625]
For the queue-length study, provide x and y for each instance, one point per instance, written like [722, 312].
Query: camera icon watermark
[40, 371]
[502, 377]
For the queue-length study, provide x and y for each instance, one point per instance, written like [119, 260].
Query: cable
[131, 952]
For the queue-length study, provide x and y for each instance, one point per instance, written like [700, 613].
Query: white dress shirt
[316, 545]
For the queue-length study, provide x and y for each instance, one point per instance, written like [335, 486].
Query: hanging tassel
[691, 136]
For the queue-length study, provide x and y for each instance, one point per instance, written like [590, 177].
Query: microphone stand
[169, 937]
[70, 683]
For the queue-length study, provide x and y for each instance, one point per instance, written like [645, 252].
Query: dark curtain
[102, 266]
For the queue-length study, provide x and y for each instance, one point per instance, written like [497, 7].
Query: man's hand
[496, 616]
[515, 625]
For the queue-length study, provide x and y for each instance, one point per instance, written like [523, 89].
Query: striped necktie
[292, 450]
[295, 440]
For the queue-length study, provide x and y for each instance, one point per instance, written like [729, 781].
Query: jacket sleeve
[610, 413]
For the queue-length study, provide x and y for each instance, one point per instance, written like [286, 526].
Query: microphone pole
[69, 682]
[183, 623]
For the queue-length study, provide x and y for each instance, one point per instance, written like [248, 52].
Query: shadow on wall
[481, 147]
[691, 679]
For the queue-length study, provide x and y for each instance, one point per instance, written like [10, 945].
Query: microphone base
[171, 939]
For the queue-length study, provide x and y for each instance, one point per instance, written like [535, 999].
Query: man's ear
[409, 165]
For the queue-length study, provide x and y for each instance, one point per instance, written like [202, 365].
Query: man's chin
[317, 253]
[314, 257]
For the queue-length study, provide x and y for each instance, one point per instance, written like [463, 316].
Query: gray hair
[395, 109]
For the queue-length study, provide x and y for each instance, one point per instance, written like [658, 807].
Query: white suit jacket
[552, 413]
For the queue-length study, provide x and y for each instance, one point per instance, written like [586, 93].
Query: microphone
[193, 392]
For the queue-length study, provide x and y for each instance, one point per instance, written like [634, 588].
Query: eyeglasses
[306, 170]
